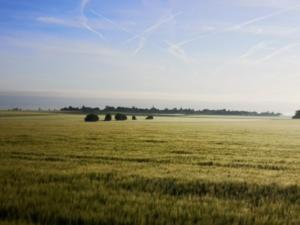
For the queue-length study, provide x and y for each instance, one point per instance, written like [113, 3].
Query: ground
[57, 169]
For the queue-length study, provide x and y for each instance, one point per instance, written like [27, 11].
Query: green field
[56, 169]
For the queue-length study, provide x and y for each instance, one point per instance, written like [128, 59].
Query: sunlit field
[56, 169]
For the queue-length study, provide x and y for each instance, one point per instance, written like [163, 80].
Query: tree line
[153, 110]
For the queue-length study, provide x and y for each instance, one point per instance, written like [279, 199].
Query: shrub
[150, 117]
[120, 116]
[133, 117]
[91, 118]
[107, 117]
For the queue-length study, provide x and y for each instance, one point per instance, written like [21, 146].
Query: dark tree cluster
[108, 117]
[120, 116]
[153, 110]
[91, 118]
[297, 115]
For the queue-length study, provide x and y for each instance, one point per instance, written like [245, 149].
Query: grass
[55, 169]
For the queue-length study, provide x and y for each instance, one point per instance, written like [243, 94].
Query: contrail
[261, 18]
[140, 46]
[149, 30]
[235, 27]
[253, 49]
[278, 51]
[153, 27]
[84, 20]
[239, 26]
[84, 24]
[177, 48]
[205, 34]
[110, 21]
[178, 52]
[83, 5]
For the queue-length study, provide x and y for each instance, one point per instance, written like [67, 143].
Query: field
[56, 169]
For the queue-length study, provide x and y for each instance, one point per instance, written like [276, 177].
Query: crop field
[56, 169]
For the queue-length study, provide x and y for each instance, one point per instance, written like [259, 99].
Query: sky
[234, 54]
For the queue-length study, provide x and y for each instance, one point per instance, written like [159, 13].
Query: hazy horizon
[31, 100]
[233, 54]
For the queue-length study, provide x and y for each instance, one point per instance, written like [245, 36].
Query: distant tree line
[153, 110]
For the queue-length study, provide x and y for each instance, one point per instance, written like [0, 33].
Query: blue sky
[219, 53]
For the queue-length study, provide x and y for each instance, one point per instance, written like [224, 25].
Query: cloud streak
[57, 21]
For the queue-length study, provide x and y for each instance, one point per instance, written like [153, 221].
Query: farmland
[56, 169]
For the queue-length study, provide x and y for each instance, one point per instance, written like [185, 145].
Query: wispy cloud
[81, 22]
[58, 21]
[83, 5]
